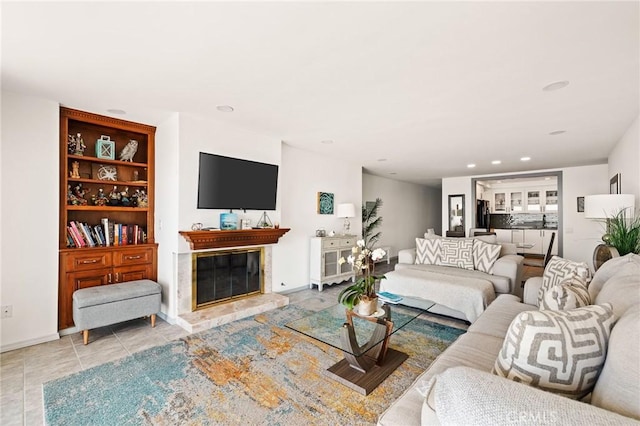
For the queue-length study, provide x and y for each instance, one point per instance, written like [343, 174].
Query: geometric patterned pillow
[569, 294]
[457, 252]
[557, 351]
[428, 251]
[485, 255]
[559, 269]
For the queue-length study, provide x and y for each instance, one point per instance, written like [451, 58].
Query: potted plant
[623, 233]
[363, 291]
[362, 260]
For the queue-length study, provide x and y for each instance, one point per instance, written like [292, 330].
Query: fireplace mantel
[200, 240]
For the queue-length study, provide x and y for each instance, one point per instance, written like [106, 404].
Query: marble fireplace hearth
[205, 318]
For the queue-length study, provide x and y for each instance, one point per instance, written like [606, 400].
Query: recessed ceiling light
[382, 159]
[496, 162]
[471, 166]
[224, 108]
[557, 132]
[499, 181]
[116, 111]
[525, 158]
[547, 178]
[327, 141]
[557, 85]
[392, 173]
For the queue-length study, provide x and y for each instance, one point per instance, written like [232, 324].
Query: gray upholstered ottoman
[103, 305]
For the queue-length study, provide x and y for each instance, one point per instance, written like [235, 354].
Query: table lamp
[346, 211]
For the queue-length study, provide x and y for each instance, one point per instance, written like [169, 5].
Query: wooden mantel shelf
[199, 240]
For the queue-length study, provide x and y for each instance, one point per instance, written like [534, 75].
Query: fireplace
[226, 275]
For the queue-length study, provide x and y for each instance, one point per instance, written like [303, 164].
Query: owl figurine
[129, 151]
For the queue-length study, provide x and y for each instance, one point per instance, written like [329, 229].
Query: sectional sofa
[460, 388]
[462, 286]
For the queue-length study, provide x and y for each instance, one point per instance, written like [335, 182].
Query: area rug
[253, 371]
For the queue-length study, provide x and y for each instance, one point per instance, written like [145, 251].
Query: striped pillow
[569, 294]
[457, 252]
[428, 251]
[557, 351]
[559, 269]
[485, 255]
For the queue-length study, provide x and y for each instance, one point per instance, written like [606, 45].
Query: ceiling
[427, 86]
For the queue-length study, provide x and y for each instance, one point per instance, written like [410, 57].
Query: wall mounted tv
[232, 183]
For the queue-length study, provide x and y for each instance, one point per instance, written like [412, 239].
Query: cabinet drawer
[87, 261]
[330, 242]
[86, 279]
[347, 242]
[133, 257]
[134, 272]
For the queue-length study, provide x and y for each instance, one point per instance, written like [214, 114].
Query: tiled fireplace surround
[203, 319]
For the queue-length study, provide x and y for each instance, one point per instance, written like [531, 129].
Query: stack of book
[387, 297]
[106, 234]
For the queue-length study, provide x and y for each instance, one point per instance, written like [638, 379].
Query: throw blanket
[467, 295]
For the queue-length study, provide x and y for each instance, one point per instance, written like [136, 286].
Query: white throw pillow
[457, 252]
[559, 269]
[485, 255]
[428, 252]
[569, 294]
[557, 351]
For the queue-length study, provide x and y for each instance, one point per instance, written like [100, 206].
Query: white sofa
[465, 392]
[459, 293]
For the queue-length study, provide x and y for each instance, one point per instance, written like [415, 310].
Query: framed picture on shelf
[104, 172]
[614, 184]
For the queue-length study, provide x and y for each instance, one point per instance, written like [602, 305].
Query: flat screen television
[233, 183]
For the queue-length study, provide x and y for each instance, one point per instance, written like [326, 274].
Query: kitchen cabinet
[550, 200]
[516, 202]
[503, 235]
[517, 236]
[540, 239]
[499, 202]
[324, 253]
[508, 202]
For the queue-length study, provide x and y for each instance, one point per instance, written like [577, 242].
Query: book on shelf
[78, 236]
[107, 235]
[104, 234]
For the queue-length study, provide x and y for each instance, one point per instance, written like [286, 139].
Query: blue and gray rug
[250, 372]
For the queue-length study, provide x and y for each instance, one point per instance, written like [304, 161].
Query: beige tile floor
[23, 371]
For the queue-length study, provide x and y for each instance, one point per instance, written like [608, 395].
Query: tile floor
[23, 371]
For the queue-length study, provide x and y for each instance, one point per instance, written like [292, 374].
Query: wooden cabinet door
[75, 281]
[134, 272]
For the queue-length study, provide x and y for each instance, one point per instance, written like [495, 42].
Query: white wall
[166, 210]
[29, 227]
[408, 210]
[302, 175]
[579, 235]
[625, 159]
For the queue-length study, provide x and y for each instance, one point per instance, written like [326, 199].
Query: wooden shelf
[111, 182]
[199, 240]
[105, 161]
[121, 247]
[107, 209]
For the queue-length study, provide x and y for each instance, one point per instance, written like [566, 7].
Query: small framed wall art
[614, 185]
[105, 148]
[580, 204]
[325, 203]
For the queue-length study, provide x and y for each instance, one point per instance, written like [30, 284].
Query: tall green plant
[370, 222]
[624, 233]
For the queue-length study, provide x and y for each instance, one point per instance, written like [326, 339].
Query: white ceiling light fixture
[495, 162]
[471, 166]
[116, 111]
[327, 142]
[225, 108]
[382, 159]
[556, 85]
[525, 158]
[557, 132]
[392, 173]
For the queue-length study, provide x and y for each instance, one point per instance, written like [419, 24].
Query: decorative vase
[367, 306]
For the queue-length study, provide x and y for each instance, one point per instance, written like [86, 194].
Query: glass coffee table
[365, 365]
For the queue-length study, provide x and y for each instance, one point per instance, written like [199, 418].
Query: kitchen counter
[545, 228]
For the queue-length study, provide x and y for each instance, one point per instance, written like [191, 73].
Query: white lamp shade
[346, 210]
[607, 205]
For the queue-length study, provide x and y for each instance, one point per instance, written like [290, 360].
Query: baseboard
[30, 342]
[167, 319]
